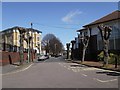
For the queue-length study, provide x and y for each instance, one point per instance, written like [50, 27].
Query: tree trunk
[21, 50]
[83, 57]
[28, 51]
[106, 55]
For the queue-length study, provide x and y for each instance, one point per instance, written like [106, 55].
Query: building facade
[11, 39]
[95, 43]
[112, 20]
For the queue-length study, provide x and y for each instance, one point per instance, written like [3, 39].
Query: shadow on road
[109, 73]
[77, 66]
[15, 64]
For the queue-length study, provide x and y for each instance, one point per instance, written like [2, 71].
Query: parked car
[43, 57]
[47, 56]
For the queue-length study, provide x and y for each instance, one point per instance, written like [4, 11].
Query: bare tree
[105, 34]
[68, 47]
[84, 36]
[52, 44]
[22, 32]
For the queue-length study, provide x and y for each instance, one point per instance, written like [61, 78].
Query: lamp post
[32, 39]
[105, 32]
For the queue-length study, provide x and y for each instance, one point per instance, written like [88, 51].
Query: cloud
[69, 18]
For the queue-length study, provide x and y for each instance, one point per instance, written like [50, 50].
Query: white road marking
[73, 67]
[68, 68]
[105, 80]
[74, 70]
[65, 66]
[109, 71]
[84, 75]
[27, 67]
[18, 70]
[16, 66]
[87, 69]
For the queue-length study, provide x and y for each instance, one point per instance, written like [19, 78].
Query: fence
[12, 57]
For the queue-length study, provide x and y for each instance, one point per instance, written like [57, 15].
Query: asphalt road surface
[57, 73]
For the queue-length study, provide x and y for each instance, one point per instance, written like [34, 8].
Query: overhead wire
[55, 26]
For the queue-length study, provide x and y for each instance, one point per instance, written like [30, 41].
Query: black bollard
[115, 62]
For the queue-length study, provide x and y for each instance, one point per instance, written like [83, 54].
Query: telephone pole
[32, 40]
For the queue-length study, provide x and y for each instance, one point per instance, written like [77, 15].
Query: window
[37, 38]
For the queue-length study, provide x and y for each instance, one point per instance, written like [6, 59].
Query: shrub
[112, 58]
[101, 56]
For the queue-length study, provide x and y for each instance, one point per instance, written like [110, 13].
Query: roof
[35, 30]
[110, 17]
[81, 30]
[21, 29]
[73, 41]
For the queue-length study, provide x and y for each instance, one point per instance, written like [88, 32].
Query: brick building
[10, 42]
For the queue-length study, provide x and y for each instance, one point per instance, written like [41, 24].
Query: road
[57, 73]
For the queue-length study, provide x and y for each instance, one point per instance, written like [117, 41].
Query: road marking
[74, 71]
[110, 71]
[84, 75]
[73, 67]
[18, 70]
[65, 66]
[105, 80]
[87, 69]
[68, 68]
[27, 67]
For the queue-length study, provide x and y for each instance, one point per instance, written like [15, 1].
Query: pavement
[11, 68]
[97, 65]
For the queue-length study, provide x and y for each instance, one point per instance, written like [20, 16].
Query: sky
[59, 18]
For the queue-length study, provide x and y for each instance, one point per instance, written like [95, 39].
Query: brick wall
[7, 57]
